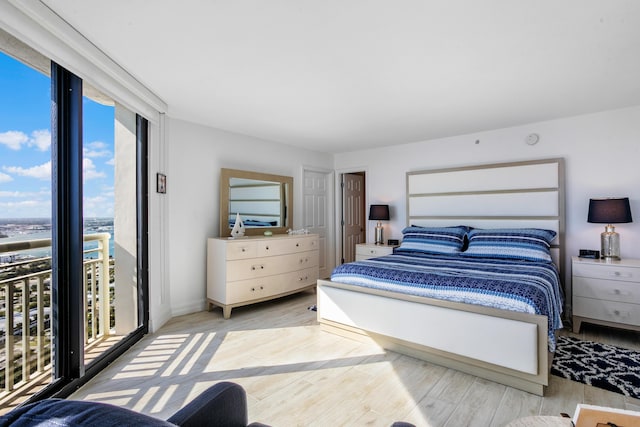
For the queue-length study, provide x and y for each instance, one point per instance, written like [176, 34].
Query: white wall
[601, 152]
[195, 155]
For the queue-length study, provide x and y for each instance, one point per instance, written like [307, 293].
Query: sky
[25, 146]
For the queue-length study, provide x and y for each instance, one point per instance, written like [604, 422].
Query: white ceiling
[340, 75]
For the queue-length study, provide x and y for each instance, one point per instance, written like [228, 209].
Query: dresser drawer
[606, 271]
[287, 246]
[241, 249]
[244, 269]
[301, 278]
[253, 289]
[610, 311]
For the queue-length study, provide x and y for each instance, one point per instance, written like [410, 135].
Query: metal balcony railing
[25, 307]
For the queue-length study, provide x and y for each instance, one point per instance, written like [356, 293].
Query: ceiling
[342, 75]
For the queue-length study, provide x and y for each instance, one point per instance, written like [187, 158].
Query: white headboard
[514, 195]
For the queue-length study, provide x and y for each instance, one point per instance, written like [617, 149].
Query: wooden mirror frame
[225, 177]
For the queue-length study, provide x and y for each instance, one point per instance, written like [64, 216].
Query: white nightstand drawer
[610, 290]
[372, 251]
[609, 311]
[606, 271]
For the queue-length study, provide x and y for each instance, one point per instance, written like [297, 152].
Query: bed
[488, 334]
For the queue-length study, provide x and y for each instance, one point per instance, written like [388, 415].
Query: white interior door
[317, 215]
[353, 229]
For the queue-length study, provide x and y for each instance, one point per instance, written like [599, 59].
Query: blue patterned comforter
[523, 286]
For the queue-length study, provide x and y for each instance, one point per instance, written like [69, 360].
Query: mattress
[522, 286]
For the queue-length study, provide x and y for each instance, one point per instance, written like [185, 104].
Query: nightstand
[371, 250]
[606, 293]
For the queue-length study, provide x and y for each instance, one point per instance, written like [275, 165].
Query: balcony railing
[25, 307]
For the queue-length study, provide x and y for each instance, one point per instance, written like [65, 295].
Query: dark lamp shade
[609, 211]
[379, 212]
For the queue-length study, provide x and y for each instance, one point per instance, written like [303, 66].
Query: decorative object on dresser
[379, 213]
[258, 268]
[606, 293]
[609, 211]
[372, 250]
[238, 227]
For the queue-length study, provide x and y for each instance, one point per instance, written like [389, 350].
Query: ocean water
[21, 229]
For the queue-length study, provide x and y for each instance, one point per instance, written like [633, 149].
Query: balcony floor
[21, 394]
[295, 374]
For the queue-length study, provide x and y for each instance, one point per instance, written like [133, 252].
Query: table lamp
[609, 211]
[379, 213]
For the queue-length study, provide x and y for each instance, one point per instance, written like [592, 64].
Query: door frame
[339, 207]
[331, 224]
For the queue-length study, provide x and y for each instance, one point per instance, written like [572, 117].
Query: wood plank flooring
[297, 375]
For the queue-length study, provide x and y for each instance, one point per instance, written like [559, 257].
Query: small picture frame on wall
[161, 183]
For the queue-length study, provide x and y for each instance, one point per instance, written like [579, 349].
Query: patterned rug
[600, 365]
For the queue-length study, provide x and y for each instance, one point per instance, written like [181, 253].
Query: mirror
[264, 201]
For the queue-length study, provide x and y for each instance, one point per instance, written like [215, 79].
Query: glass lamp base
[610, 243]
[379, 238]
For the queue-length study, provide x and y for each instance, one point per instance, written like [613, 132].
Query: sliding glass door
[73, 203]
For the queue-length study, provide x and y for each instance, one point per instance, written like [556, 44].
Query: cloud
[89, 170]
[5, 178]
[12, 194]
[111, 162]
[98, 206]
[26, 208]
[13, 139]
[41, 139]
[42, 171]
[96, 149]
[45, 193]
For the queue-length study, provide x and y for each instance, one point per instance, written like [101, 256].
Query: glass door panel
[25, 231]
[109, 203]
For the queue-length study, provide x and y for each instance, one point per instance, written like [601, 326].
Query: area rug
[600, 365]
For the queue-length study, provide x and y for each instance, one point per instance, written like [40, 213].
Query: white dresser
[371, 250]
[256, 268]
[606, 293]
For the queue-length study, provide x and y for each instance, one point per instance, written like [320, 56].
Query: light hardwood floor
[297, 375]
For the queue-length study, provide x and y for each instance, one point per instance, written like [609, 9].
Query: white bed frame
[499, 345]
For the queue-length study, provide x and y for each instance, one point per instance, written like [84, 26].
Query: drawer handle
[267, 248]
[618, 313]
[243, 250]
[253, 289]
[372, 251]
[254, 267]
[261, 287]
[620, 274]
[297, 245]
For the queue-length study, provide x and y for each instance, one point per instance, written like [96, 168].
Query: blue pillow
[531, 244]
[434, 240]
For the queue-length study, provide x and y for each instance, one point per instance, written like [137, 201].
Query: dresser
[256, 268]
[371, 250]
[606, 293]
